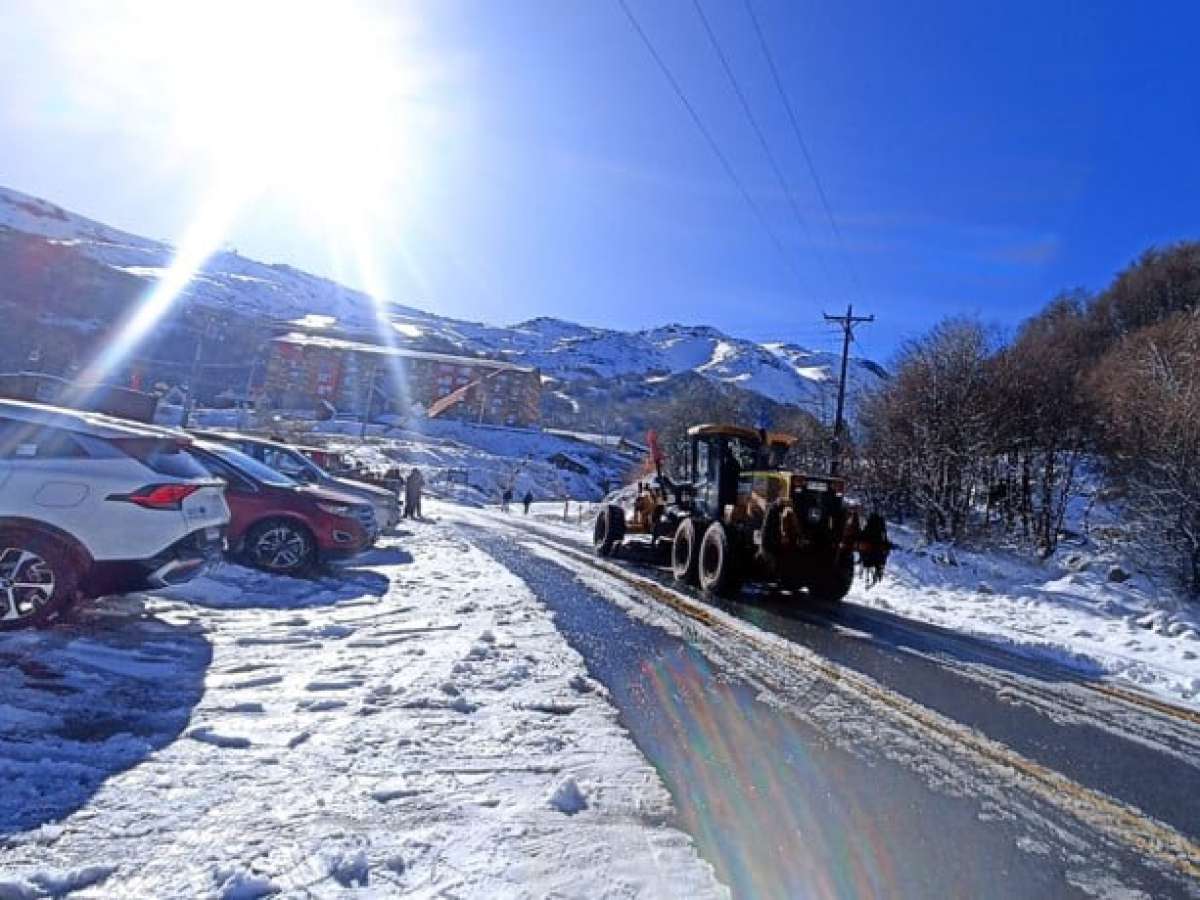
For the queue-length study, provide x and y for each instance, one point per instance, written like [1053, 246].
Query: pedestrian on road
[527, 499]
[506, 499]
[412, 494]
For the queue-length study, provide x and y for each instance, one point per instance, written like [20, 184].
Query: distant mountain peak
[578, 357]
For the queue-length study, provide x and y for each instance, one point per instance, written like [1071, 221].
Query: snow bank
[1065, 610]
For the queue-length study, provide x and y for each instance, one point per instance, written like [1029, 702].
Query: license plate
[212, 533]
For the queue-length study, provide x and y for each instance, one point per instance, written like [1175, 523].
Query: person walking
[412, 494]
[527, 499]
[506, 499]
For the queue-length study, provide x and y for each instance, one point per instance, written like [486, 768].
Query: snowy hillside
[570, 355]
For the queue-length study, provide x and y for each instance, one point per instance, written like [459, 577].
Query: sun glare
[306, 100]
[299, 105]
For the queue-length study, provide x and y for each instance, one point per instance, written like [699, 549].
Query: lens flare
[203, 238]
[368, 271]
[300, 107]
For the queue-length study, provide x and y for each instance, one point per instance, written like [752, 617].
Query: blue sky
[979, 157]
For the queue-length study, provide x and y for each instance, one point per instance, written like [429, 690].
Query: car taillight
[159, 496]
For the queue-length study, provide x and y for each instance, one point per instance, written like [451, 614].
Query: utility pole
[263, 349]
[366, 413]
[847, 322]
[207, 332]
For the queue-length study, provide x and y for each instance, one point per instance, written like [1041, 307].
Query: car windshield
[250, 466]
[294, 462]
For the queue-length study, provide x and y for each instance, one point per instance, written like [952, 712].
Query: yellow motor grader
[741, 515]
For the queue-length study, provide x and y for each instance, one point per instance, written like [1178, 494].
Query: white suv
[91, 505]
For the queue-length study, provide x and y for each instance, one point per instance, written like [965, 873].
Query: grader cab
[739, 514]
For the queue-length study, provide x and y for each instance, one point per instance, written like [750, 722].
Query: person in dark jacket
[412, 494]
[527, 499]
[505, 499]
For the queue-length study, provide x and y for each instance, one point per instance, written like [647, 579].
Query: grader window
[700, 461]
[744, 452]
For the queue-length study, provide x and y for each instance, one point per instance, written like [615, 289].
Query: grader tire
[685, 552]
[609, 530]
[718, 569]
[834, 583]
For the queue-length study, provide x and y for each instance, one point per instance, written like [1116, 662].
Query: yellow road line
[1119, 822]
[1112, 691]
[1136, 699]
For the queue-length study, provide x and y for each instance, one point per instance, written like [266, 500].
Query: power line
[708, 137]
[812, 168]
[762, 138]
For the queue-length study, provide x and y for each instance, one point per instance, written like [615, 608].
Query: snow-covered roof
[297, 339]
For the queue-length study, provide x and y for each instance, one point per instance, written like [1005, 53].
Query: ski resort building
[306, 371]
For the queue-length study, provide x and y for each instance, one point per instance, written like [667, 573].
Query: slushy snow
[416, 725]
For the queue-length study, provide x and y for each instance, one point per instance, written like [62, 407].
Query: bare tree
[1150, 388]
[1045, 419]
[929, 430]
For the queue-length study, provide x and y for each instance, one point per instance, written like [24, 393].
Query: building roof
[298, 339]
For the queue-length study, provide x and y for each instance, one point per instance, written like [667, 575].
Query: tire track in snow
[1120, 823]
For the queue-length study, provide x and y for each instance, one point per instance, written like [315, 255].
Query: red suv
[280, 525]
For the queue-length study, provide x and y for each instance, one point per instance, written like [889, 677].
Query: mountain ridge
[575, 359]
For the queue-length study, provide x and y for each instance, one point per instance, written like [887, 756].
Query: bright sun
[302, 100]
[302, 105]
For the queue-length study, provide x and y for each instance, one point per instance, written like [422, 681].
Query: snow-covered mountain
[574, 359]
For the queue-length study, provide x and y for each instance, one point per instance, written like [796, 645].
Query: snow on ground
[412, 724]
[1064, 610]
[493, 457]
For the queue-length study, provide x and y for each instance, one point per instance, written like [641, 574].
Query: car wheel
[39, 578]
[609, 530]
[280, 546]
[685, 556]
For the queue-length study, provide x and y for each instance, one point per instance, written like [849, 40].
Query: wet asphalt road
[783, 805]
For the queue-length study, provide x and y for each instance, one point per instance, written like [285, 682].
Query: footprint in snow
[550, 707]
[321, 705]
[568, 798]
[207, 735]
[243, 668]
[580, 684]
[260, 681]
[242, 708]
[343, 685]
[386, 791]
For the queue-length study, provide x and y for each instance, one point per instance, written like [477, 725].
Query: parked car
[92, 505]
[296, 465]
[332, 461]
[279, 524]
